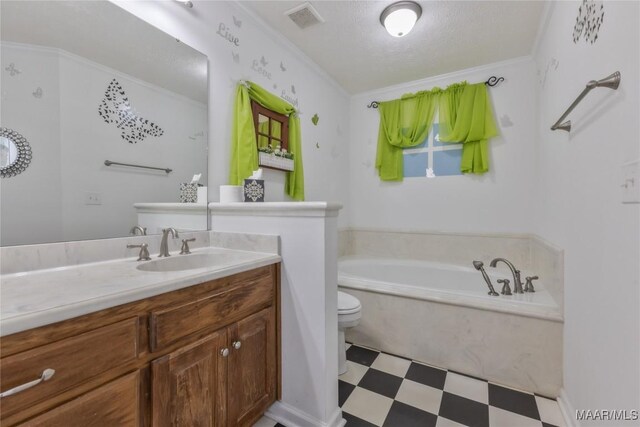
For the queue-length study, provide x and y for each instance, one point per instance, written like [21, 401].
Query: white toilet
[349, 314]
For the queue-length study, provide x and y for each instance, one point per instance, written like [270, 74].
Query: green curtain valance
[465, 115]
[404, 123]
[244, 153]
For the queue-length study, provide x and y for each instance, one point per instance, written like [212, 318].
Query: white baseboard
[567, 409]
[293, 417]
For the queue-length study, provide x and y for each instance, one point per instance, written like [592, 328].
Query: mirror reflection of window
[8, 152]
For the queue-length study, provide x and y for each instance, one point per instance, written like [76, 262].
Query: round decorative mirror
[15, 153]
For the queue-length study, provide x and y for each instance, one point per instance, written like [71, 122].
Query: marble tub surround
[451, 248]
[528, 252]
[445, 284]
[547, 261]
[41, 297]
[518, 351]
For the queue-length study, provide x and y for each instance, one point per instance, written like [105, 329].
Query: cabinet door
[111, 405]
[188, 386]
[252, 367]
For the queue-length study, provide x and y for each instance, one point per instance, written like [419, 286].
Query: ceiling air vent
[304, 15]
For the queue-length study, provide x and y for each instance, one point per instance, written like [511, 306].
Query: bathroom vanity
[206, 354]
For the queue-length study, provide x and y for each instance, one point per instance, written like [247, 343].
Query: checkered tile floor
[385, 390]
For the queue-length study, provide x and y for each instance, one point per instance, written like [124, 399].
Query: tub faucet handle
[506, 290]
[528, 287]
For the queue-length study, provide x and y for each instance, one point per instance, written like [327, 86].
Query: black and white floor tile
[389, 391]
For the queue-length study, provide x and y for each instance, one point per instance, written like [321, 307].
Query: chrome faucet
[185, 246]
[528, 287]
[517, 282]
[506, 290]
[138, 230]
[144, 251]
[479, 265]
[164, 244]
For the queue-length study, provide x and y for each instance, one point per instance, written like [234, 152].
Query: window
[432, 158]
[272, 133]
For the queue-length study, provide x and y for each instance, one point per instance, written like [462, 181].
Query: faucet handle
[528, 287]
[144, 251]
[506, 290]
[185, 246]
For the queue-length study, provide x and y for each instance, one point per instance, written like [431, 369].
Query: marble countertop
[41, 297]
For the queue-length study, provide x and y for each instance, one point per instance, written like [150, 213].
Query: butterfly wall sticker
[588, 22]
[13, 71]
[116, 109]
[236, 22]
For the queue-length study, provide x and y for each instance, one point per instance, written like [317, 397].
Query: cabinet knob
[237, 345]
[224, 352]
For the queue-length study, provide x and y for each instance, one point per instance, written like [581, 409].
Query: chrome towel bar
[109, 163]
[611, 82]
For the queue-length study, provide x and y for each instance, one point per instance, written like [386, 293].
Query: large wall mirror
[83, 83]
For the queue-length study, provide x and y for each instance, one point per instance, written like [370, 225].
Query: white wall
[33, 197]
[499, 201]
[70, 142]
[578, 201]
[87, 141]
[325, 167]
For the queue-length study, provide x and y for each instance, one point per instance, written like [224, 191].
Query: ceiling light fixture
[186, 3]
[399, 18]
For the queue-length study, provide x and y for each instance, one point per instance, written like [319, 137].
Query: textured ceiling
[355, 49]
[104, 33]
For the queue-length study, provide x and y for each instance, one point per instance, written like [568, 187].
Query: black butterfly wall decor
[588, 22]
[116, 109]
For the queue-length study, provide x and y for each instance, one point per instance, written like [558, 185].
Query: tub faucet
[517, 282]
[164, 244]
[479, 265]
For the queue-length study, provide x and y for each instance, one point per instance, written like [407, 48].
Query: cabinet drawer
[75, 360]
[114, 404]
[242, 296]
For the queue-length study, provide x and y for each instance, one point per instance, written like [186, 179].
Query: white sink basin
[183, 262]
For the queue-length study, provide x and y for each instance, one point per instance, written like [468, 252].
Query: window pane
[276, 129]
[447, 162]
[263, 128]
[415, 164]
[436, 138]
[423, 144]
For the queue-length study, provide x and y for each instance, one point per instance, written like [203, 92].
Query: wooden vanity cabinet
[252, 367]
[207, 355]
[189, 385]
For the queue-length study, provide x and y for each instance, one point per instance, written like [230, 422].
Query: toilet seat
[347, 304]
